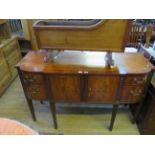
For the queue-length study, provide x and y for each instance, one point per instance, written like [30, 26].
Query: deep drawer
[33, 78]
[37, 92]
[132, 94]
[35, 86]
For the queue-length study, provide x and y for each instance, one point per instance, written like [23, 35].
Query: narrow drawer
[134, 80]
[37, 92]
[7, 50]
[33, 78]
[5, 82]
[3, 68]
[13, 59]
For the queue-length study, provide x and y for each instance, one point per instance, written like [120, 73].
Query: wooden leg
[114, 112]
[137, 112]
[29, 101]
[30, 104]
[53, 111]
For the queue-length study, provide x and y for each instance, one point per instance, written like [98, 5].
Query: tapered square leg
[30, 104]
[29, 101]
[53, 111]
[139, 106]
[114, 112]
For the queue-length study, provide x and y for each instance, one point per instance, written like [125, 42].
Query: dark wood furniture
[82, 77]
[146, 117]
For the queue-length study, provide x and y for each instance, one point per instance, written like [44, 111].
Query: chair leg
[114, 112]
[53, 111]
[30, 104]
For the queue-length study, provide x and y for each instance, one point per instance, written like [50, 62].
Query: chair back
[135, 36]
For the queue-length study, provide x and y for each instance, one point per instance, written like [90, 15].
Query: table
[82, 77]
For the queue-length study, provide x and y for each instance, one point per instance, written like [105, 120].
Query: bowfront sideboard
[82, 77]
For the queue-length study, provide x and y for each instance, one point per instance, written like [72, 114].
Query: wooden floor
[72, 119]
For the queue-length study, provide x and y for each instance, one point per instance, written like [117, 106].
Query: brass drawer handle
[35, 92]
[30, 78]
[136, 93]
[140, 81]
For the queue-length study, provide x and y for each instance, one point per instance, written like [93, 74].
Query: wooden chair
[148, 35]
[135, 38]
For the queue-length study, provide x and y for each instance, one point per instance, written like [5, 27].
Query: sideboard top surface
[79, 62]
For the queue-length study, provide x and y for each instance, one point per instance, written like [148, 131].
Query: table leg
[30, 104]
[114, 112]
[53, 111]
[29, 101]
[135, 116]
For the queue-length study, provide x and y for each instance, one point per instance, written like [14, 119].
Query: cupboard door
[65, 87]
[102, 88]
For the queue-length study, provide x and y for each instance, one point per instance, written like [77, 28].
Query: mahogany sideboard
[82, 77]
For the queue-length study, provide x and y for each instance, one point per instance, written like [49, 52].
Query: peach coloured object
[12, 127]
